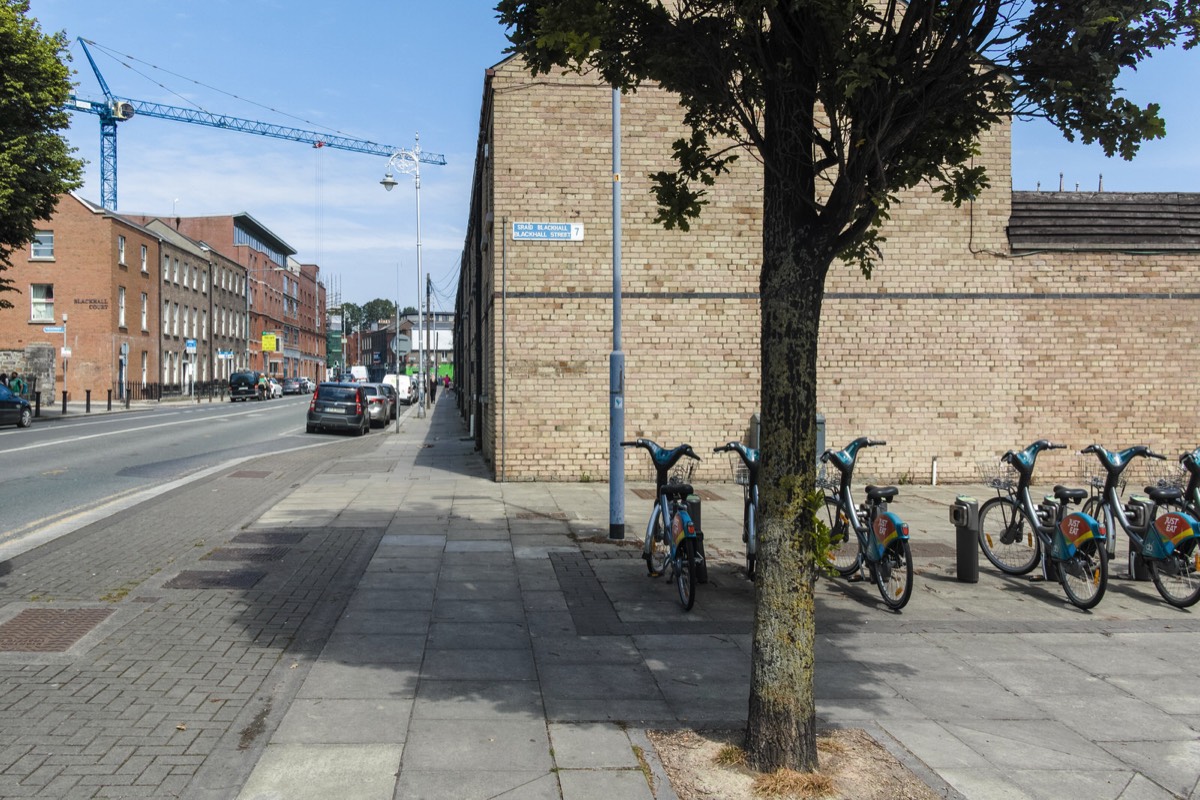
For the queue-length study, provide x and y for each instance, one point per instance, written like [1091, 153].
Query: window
[145, 310]
[166, 317]
[175, 319]
[120, 306]
[41, 298]
[175, 271]
[204, 281]
[42, 245]
[145, 364]
[166, 268]
[187, 273]
[145, 268]
[121, 250]
[204, 325]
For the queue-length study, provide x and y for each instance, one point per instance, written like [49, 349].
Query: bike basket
[681, 472]
[1092, 473]
[827, 478]
[741, 474]
[1165, 474]
[997, 474]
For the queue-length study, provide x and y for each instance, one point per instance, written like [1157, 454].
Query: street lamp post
[407, 161]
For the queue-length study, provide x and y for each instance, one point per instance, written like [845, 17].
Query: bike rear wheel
[894, 575]
[685, 573]
[1084, 576]
[1006, 537]
[657, 550]
[844, 554]
[1177, 577]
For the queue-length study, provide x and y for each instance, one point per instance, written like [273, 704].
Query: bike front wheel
[751, 531]
[657, 550]
[1177, 577]
[894, 575]
[1084, 576]
[1006, 537]
[844, 554]
[685, 573]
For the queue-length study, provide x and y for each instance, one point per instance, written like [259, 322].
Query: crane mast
[113, 110]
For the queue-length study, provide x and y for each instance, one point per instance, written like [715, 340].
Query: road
[61, 474]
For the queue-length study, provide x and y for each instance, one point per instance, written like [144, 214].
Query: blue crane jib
[113, 110]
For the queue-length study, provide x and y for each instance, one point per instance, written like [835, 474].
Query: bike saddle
[1066, 495]
[677, 491]
[1169, 494]
[878, 494]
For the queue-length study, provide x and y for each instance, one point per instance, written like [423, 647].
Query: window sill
[42, 259]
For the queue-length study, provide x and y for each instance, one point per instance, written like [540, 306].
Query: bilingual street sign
[548, 231]
[189, 346]
[54, 329]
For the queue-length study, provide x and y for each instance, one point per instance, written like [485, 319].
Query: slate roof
[1104, 221]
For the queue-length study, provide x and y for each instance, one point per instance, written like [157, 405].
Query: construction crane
[113, 110]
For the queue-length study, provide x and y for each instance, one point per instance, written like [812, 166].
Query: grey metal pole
[420, 349]
[616, 369]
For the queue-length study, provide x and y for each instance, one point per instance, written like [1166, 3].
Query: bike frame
[844, 461]
[1110, 498]
[1023, 462]
[664, 460]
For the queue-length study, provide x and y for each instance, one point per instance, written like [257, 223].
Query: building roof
[1131, 221]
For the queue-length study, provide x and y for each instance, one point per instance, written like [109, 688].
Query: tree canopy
[36, 164]
[379, 310]
[846, 104]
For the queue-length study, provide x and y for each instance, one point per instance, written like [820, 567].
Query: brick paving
[169, 701]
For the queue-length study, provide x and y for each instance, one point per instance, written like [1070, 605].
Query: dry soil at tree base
[858, 767]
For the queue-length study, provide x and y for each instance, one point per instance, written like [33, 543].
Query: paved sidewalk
[499, 646]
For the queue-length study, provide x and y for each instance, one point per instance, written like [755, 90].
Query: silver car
[379, 406]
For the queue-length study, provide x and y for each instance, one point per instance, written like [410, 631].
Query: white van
[359, 373]
[405, 388]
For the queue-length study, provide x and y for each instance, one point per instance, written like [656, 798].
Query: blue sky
[383, 72]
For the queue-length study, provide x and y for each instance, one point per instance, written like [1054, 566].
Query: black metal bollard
[693, 505]
[965, 516]
[109, 400]
[87, 401]
[64, 406]
[37, 404]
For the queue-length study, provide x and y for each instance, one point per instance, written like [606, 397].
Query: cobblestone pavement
[123, 676]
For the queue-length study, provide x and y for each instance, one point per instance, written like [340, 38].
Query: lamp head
[388, 182]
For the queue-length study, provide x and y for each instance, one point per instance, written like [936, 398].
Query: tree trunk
[781, 727]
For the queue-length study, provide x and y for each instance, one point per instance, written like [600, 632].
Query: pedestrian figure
[16, 384]
[3, 379]
[432, 388]
[446, 382]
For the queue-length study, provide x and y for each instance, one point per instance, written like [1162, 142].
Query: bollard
[87, 401]
[693, 506]
[37, 404]
[127, 399]
[64, 407]
[965, 516]
[110, 400]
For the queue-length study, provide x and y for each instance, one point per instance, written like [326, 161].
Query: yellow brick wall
[953, 349]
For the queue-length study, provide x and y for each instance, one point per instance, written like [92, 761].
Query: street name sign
[54, 329]
[548, 231]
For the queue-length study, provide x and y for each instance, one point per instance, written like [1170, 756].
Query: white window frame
[121, 250]
[145, 262]
[120, 306]
[41, 248]
[42, 301]
[145, 311]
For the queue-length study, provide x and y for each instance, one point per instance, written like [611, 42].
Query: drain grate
[198, 579]
[250, 473]
[49, 630]
[255, 554]
[268, 537]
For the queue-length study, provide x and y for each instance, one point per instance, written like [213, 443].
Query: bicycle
[745, 475]
[672, 538]
[880, 537]
[1165, 543]
[1016, 535]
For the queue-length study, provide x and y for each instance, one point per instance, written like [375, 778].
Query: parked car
[14, 409]
[293, 386]
[276, 387]
[338, 407]
[393, 399]
[307, 385]
[244, 386]
[378, 405]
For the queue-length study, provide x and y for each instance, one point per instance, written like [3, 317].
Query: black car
[338, 407]
[244, 386]
[14, 409]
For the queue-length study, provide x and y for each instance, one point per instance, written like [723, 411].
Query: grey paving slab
[604, 784]
[1031, 744]
[386, 619]
[586, 650]
[516, 665]
[499, 545]
[591, 746]
[478, 699]
[344, 721]
[319, 772]
[481, 591]
[356, 648]
[475, 611]
[334, 680]
[448, 745]
[1173, 764]
[479, 785]
[478, 636]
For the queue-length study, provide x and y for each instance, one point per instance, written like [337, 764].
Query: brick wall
[956, 348]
